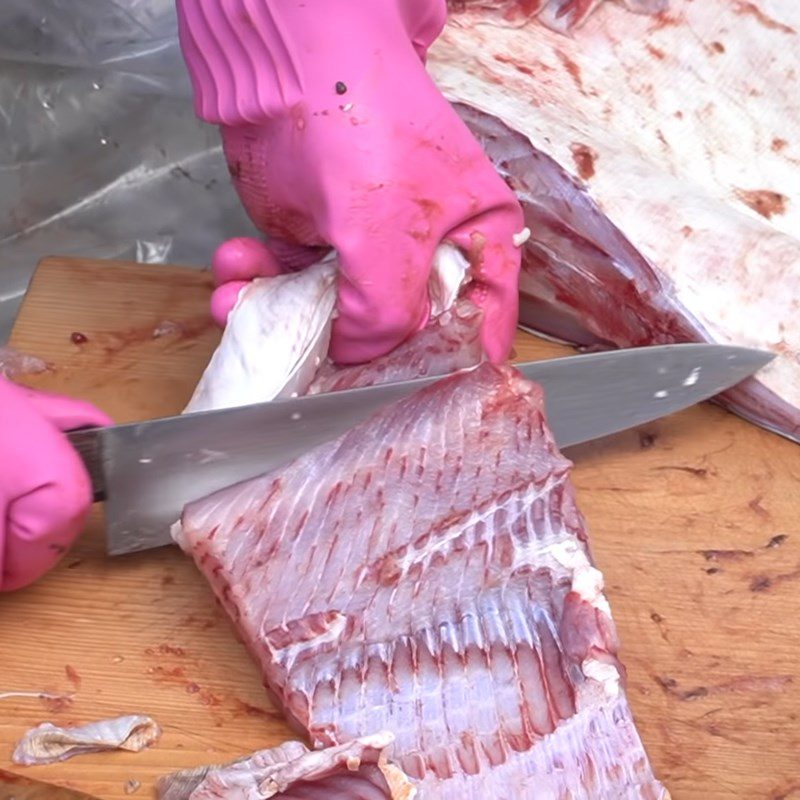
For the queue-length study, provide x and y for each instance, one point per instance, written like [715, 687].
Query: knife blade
[148, 471]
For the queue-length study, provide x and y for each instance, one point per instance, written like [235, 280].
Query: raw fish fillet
[428, 574]
[354, 771]
[275, 344]
[658, 162]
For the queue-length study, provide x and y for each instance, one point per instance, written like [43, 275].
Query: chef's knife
[146, 472]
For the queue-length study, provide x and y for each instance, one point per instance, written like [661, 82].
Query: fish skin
[647, 226]
[428, 573]
[357, 770]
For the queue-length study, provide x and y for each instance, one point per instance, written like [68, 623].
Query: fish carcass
[657, 159]
[428, 574]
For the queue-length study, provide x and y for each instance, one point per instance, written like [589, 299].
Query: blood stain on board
[755, 505]
[72, 676]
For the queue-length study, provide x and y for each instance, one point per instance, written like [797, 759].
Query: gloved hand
[335, 135]
[45, 493]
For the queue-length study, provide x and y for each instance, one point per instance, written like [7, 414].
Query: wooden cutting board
[694, 520]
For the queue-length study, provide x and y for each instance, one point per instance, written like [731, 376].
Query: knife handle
[89, 446]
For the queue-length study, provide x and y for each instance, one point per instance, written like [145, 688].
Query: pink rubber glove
[335, 135]
[45, 493]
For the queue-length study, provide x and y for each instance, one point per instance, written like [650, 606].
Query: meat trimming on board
[358, 770]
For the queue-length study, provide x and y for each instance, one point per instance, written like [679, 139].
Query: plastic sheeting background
[100, 152]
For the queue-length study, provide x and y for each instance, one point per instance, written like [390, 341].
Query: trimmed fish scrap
[357, 770]
[428, 574]
[48, 743]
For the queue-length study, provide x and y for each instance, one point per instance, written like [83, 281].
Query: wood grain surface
[694, 520]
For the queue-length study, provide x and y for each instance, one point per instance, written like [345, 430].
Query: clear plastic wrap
[100, 152]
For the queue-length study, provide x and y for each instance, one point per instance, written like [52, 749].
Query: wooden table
[695, 521]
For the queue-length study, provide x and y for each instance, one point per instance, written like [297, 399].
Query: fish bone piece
[358, 769]
[657, 214]
[428, 574]
[48, 744]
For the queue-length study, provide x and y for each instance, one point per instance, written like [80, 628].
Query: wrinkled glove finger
[224, 299]
[293, 256]
[240, 260]
[424, 21]
[243, 259]
[42, 525]
[46, 493]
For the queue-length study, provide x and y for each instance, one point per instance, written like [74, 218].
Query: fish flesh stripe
[428, 574]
